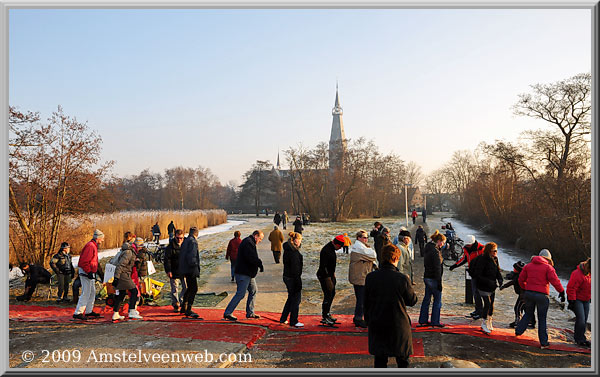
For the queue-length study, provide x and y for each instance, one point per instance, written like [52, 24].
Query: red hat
[339, 239]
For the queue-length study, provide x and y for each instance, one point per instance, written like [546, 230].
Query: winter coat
[189, 257]
[38, 274]
[579, 286]
[292, 261]
[248, 261]
[432, 260]
[88, 259]
[537, 274]
[124, 270]
[486, 273]
[469, 253]
[347, 241]
[404, 262]
[327, 261]
[298, 226]
[414, 214]
[172, 259]
[363, 260]
[387, 293]
[155, 228]
[379, 240]
[277, 219]
[421, 235]
[232, 248]
[171, 228]
[61, 263]
[276, 238]
[142, 263]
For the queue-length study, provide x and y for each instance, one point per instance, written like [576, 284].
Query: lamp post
[406, 186]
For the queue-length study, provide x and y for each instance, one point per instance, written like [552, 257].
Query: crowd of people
[382, 278]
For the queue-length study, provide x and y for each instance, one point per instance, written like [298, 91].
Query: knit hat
[64, 245]
[98, 234]
[139, 241]
[546, 254]
[385, 230]
[339, 239]
[469, 240]
[518, 267]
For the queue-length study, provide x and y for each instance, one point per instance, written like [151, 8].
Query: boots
[489, 324]
[484, 326]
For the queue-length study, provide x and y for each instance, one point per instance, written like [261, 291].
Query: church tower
[337, 141]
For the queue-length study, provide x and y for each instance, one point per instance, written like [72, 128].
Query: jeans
[359, 292]
[233, 264]
[191, 284]
[431, 289]
[88, 295]
[532, 300]
[476, 296]
[177, 299]
[292, 304]
[581, 310]
[244, 283]
[381, 362]
[63, 285]
[328, 287]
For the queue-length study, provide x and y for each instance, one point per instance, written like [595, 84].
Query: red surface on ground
[325, 343]
[455, 324]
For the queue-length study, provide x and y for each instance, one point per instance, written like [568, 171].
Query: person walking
[62, 266]
[232, 251]
[471, 250]
[88, 266]
[189, 267]
[276, 239]
[171, 264]
[36, 274]
[277, 218]
[421, 238]
[433, 281]
[284, 219]
[387, 294]
[171, 230]
[247, 266]
[424, 215]
[347, 243]
[156, 233]
[579, 295]
[535, 279]
[414, 216]
[363, 260]
[123, 282]
[326, 276]
[292, 278]
[298, 228]
[487, 272]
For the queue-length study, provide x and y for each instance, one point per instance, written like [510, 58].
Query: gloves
[452, 267]
[91, 275]
[261, 269]
[561, 296]
[571, 305]
[501, 287]
[115, 282]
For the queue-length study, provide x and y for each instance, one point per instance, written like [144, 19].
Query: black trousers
[488, 305]
[276, 256]
[328, 287]
[191, 282]
[133, 297]
[292, 304]
[382, 361]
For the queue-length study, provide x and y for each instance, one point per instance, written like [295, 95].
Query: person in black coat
[247, 266]
[421, 238]
[172, 270]
[292, 277]
[519, 308]
[298, 225]
[156, 232]
[62, 266]
[381, 239]
[35, 275]
[486, 272]
[433, 281]
[326, 275]
[171, 230]
[189, 267]
[387, 293]
[277, 218]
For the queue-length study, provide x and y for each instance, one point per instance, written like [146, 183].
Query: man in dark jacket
[387, 293]
[171, 230]
[421, 238]
[189, 267]
[326, 275]
[247, 265]
[62, 266]
[35, 275]
[172, 269]
[298, 225]
[156, 232]
[381, 239]
[277, 218]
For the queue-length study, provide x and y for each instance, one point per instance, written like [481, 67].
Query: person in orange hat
[347, 243]
[326, 275]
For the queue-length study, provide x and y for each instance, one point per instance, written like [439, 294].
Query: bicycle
[450, 253]
[157, 252]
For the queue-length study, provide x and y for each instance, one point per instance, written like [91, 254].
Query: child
[513, 279]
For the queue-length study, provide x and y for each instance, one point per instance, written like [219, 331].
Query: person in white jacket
[363, 259]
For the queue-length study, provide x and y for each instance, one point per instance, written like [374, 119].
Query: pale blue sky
[224, 88]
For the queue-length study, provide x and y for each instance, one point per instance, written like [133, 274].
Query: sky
[222, 88]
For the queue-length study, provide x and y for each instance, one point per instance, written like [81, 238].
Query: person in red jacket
[232, 251]
[414, 215]
[88, 266]
[471, 250]
[579, 294]
[535, 279]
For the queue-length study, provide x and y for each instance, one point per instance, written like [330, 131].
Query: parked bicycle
[452, 251]
[156, 251]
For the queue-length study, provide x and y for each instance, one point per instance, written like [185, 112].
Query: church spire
[278, 165]
[337, 141]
